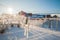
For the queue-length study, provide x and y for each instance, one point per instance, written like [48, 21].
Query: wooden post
[49, 23]
[26, 28]
[56, 23]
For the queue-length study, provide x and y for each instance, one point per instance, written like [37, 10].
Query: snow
[35, 33]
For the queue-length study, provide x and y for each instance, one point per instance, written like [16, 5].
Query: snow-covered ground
[35, 33]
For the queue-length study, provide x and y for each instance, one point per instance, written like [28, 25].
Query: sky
[32, 6]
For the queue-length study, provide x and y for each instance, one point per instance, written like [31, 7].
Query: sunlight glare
[10, 10]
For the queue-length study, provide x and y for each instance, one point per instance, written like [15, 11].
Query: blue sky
[34, 6]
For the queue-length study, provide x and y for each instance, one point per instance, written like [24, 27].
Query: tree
[30, 14]
[22, 13]
[48, 16]
[55, 16]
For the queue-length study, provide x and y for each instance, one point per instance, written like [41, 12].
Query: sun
[10, 10]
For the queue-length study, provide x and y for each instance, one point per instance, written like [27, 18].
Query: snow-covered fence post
[26, 27]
